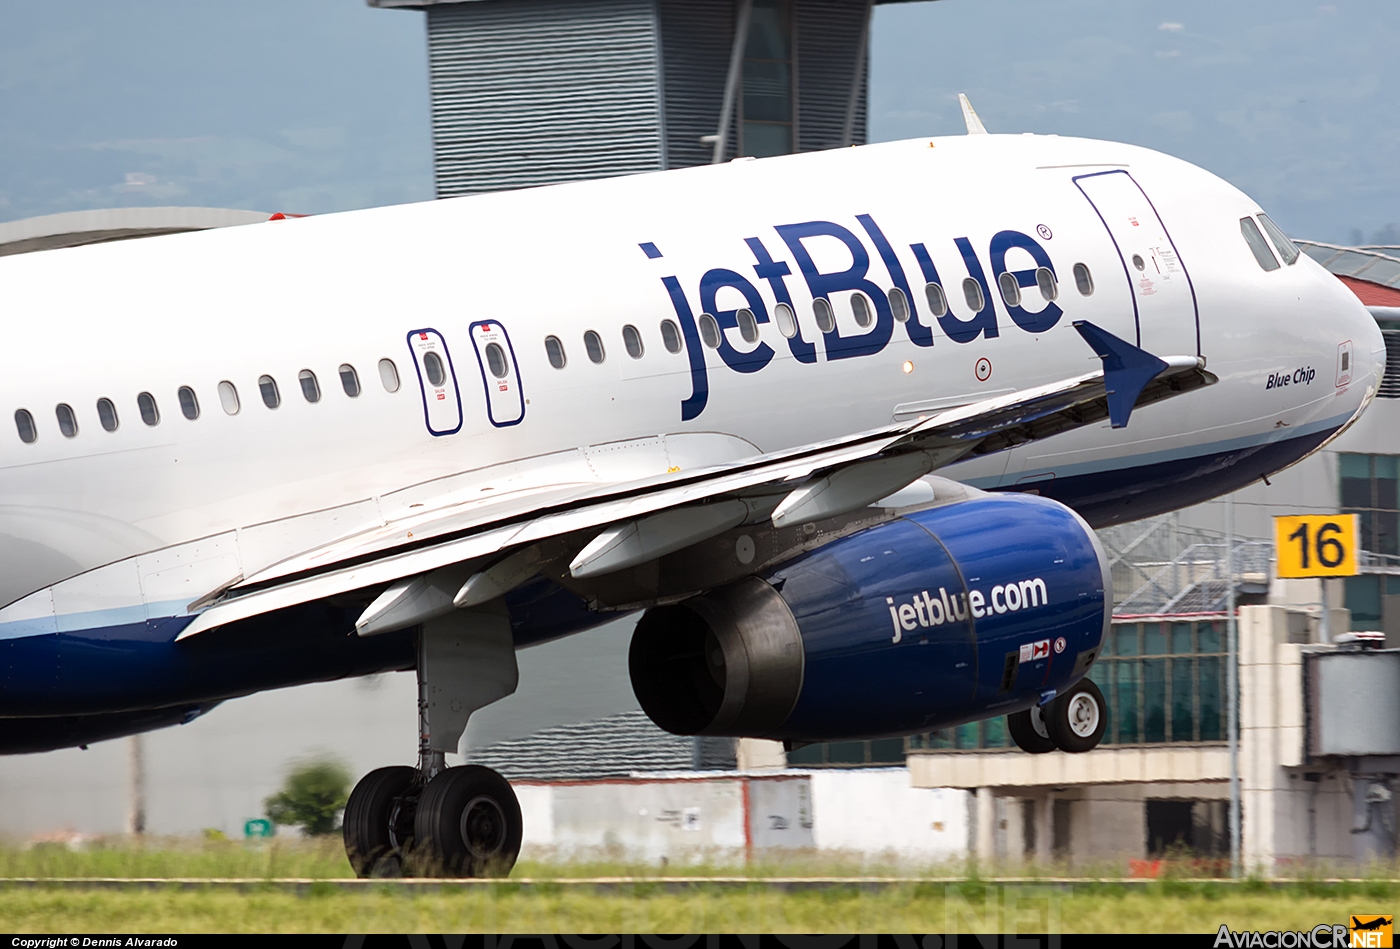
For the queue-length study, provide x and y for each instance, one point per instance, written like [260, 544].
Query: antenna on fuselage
[974, 124]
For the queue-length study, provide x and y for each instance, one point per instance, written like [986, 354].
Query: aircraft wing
[462, 557]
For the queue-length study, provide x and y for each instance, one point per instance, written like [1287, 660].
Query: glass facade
[849, 754]
[1164, 681]
[766, 114]
[1369, 490]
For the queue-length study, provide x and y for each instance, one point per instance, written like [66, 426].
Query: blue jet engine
[955, 613]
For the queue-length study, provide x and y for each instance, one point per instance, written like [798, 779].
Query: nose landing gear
[1073, 722]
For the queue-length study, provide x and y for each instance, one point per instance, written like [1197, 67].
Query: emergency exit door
[1163, 299]
[442, 402]
[505, 400]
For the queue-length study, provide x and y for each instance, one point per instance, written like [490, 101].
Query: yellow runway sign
[1317, 545]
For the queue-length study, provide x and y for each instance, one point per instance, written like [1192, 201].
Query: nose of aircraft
[1349, 321]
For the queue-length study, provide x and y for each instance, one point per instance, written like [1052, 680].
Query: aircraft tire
[368, 812]
[1029, 732]
[469, 823]
[1077, 719]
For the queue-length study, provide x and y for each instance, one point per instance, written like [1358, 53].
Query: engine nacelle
[939, 617]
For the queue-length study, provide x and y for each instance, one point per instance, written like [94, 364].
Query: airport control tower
[532, 92]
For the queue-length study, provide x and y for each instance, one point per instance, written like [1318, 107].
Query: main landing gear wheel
[372, 840]
[1077, 719]
[1029, 731]
[468, 823]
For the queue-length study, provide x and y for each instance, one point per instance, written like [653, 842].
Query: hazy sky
[319, 105]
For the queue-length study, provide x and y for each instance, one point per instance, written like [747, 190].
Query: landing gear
[1073, 722]
[469, 823]
[1077, 719]
[434, 820]
[375, 828]
[1028, 731]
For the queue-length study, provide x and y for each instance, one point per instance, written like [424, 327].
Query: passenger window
[860, 309]
[310, 388]
[593, 345]
[150, 412]
[899, 305]
[1049, 287]
[107, 414]
[632, 339]
[826, 320]
[1286, 248]
[1138, 262]
[1256, 243]
[24, 422]
[937, 302]
[1010, 289]
[748, 325]
[432, 365]
[555, 351]
[496, 360]
[349, 380]
[228, 397]
[270, 396]
[1083, 280]
[389, 375]
[786, 320]
[67, 421]
[189, 405]
[709, 330]
[670, 336]
[972, 293]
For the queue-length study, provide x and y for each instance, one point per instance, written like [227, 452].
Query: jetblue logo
[925, 610]
[781, 272]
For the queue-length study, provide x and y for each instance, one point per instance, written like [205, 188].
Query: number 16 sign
[1316, 545]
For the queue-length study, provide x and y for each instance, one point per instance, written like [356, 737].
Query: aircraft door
[1164, 301]
[505, 400]
[442, 402]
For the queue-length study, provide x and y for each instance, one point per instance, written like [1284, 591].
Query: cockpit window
[1286, 248]
[1257, 244]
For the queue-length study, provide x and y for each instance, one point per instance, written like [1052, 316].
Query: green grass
[923, 908]
[934, 906]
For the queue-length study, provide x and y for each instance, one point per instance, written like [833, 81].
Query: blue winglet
[1126, 370]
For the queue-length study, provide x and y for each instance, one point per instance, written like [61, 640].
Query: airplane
[837, 425]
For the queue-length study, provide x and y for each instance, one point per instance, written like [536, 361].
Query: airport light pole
[1232, 687]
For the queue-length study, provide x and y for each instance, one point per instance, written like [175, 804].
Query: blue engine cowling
[947, 615]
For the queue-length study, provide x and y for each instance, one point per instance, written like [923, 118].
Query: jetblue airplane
[838, 426]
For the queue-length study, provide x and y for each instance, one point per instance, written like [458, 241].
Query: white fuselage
[276, 299]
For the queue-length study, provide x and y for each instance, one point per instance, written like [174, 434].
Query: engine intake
[728, 662]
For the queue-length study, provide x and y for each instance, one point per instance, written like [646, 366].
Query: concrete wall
[879, 812]
[873, 815]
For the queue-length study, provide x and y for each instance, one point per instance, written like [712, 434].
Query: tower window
[765, 120]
